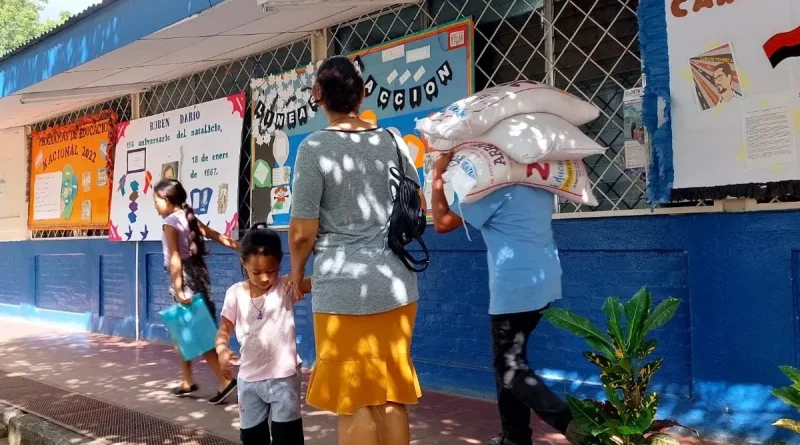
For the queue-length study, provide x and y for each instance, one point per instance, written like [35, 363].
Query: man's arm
[444, 219]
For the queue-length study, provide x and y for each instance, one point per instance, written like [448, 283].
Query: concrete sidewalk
[139, 376]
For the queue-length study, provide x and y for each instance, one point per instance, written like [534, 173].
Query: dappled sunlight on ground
[139, 376]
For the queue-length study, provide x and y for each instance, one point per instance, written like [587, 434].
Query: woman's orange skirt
[363, 360]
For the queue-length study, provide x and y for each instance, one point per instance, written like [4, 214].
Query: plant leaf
[599, 440]
[792, 373]
[608, 427]
[586, 415]
[614, 311]
[661, 315]
[613, 398]
[600, 345]
[639, 424]
[647, 371]
[636, 311]
[619, 348]
[607, 408]
[646, 349]
[615, 378]
[651, 401]
[581, 327]
[788, 424]
[598, 360]
[789, 395]
[659, 426]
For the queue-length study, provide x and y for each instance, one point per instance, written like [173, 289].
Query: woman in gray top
[364, 298]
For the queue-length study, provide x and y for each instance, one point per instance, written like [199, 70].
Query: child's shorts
[275, 398]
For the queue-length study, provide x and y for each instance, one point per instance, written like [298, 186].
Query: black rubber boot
[257, 435]
[288, 433]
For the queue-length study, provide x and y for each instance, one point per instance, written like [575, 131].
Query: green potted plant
[791, 396]
[627, 416]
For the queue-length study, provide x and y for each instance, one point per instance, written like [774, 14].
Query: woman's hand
[440, 166]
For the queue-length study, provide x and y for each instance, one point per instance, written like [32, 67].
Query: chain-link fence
[222, 81]
[211, 84]
[589, 48]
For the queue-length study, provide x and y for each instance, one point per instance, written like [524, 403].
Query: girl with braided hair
[184, 249]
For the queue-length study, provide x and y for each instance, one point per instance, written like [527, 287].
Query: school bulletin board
[70, 175]
[735, 92]
[405, 79]
[199, 146]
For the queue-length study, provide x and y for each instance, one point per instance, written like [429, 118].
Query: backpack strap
[400, 158]
[414, 264]
[408, 260]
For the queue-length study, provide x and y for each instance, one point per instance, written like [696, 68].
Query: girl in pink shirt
[260, 311]
[183, 242]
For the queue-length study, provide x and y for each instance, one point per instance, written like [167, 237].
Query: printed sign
[734, 92]
[200, 146]
[636, 151]
[404, 80]
[68, 164]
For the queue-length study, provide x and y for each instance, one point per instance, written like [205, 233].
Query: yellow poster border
[109, 115]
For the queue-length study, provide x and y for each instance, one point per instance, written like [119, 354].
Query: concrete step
[19, 428]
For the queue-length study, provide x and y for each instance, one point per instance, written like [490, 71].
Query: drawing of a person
[281, 193]
[222, 199]
[428, 163]
[723, 80]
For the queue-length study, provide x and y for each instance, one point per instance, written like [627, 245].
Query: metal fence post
[136, 102]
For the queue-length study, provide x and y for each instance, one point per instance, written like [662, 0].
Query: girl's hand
[226, 359]
[292, 286]
[181, 298]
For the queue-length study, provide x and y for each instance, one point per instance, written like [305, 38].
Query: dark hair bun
[340, 84]
[261, 240]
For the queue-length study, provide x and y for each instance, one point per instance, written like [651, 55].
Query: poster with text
[199, 146]
[69, 170]
[405, 79]
[635, 144]
[735, 92]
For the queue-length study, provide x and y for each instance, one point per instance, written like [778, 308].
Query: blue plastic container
[191, 327]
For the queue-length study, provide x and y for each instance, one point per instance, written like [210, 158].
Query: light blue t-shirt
[524, 269]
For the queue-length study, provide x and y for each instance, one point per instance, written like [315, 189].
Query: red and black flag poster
[783, 46]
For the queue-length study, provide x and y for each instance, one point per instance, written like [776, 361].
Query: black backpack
[408, 221]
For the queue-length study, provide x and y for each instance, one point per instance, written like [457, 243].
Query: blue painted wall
[734, 272]
[83, 284]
